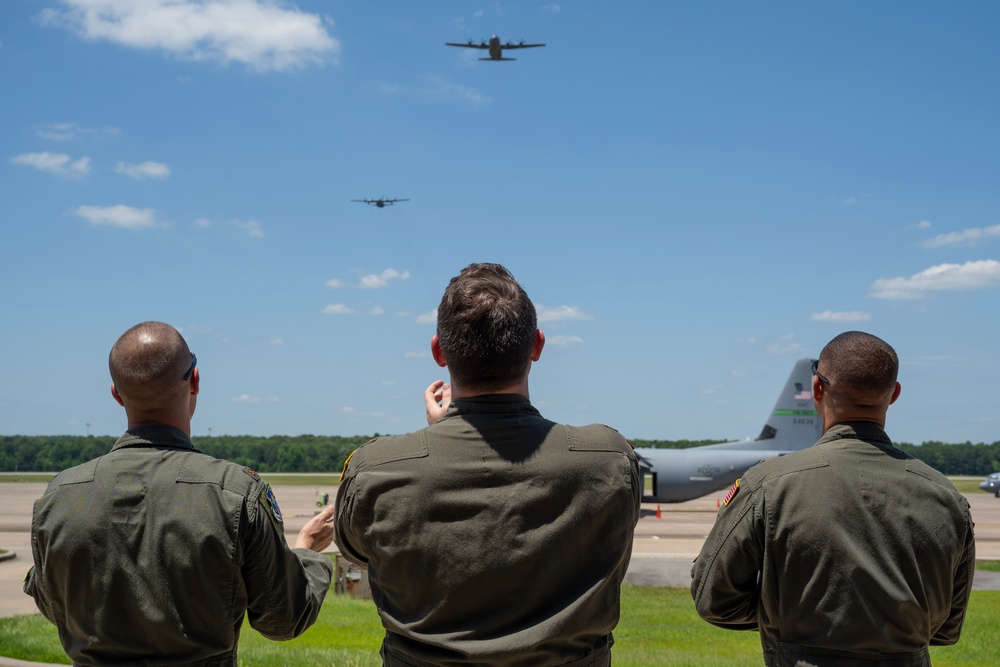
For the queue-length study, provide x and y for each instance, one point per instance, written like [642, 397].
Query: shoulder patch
[732, 494]
[347, 462]
[270, 505]
[251, 472]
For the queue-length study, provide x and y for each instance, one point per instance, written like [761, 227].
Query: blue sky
[694, 195]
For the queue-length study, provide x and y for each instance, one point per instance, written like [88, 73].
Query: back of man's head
[862, 368]
[486, 325]
[150, 364]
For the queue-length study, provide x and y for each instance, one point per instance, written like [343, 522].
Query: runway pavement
[661, 556]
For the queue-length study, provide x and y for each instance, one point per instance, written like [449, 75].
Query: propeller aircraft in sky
[380, 202]
[494, 46]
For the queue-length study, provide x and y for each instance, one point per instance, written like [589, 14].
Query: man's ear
[114, 392]
[195, 382]
[437, 353]
[895, 393]
[817, 389]
[536, 348]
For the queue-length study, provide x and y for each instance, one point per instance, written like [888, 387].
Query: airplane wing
[469, 45]
[514, 45]
[397, 200]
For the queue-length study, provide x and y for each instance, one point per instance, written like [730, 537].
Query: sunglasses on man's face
[816, 372]
[194, 362]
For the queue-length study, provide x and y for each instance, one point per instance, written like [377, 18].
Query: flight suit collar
[154, 435]
[867, 431]
[491, 404]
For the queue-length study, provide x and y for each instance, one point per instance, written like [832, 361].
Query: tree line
[327, 453]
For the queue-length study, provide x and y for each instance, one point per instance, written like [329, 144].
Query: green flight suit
[493, 537]
[152, 554]
[850, 552]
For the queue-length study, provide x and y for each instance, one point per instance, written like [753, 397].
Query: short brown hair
[861, 363]
[486, 326]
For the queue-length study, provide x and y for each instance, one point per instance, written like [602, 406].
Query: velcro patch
[270, 505]
[732, 493]
[251, 472]
[347, 463]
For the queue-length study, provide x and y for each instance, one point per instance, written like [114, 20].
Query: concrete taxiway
[662, 553]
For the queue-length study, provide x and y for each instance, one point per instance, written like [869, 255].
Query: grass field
[658, 627]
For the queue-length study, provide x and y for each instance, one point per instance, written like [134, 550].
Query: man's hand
[437, 398]
[317, 534]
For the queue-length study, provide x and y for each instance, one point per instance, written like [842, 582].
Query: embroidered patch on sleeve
[732, 494]
[251, 472]
[347, 463]
[270, 505]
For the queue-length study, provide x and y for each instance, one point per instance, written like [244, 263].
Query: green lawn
[658, 627]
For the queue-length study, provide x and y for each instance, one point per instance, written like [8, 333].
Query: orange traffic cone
[718, 503]
[658, 511]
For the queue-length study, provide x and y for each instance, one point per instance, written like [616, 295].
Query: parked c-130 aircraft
[683, 474]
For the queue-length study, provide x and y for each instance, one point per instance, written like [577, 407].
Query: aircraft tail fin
[794, 418]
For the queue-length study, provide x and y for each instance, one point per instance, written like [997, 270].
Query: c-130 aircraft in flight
[684, 474]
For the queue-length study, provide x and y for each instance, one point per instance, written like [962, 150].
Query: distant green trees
[327, 453]
[303, 453]
[951, 459]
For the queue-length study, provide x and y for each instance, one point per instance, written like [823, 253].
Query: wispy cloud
[840, 316]
[551, 9]
[924, 224]
[246, 398]
[428, 318]
[553, 314]
[335, 283]
[143, 170]
[964, 237]
[262, 34]
[55, 163]
[338, 309]
[423, 354]
[378, 310]
[69, 131]
[127, 217]
[943, 277]
[376, 280]
[564, 341]
[251, 227]
[435, 87]
[856, 199]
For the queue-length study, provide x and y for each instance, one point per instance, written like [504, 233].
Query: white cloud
[840, 316]
[251, 227]
[55, 163]
[246, 398]
[551, 9]
[376, 280]
[263, 34]
[924, 224]
[964, 237]
[203, 222]
[276, 341]
[428, 318]
[128, 217]
[144, 170]
[856, 199]
[550, 314]
[378, 310]
[335, 283]
[563, 341]
[424, 354]
[338, 309]
[439, 88]
[68, 131]
[971, 275]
